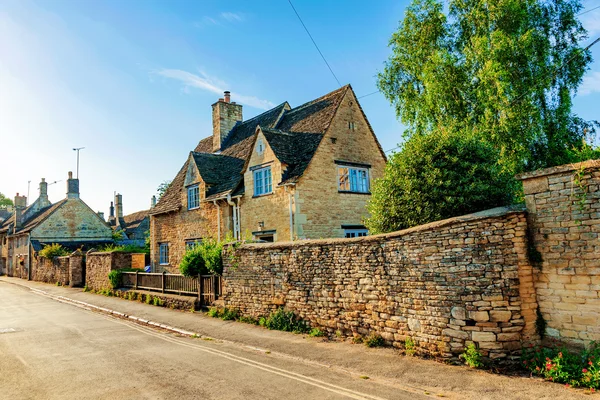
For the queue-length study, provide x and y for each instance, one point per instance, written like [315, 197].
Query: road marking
[7, 330]
[256, 364]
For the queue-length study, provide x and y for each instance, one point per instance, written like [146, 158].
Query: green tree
[435, 177]
[162, 188]
[503, 70]
[5, 201]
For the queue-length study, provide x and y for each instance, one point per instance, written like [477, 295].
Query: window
[193, 197]
[189, 244]
[352, 179]
[263, 183]
[351, 126]
[260, 146]
[351, 233]
[163, 253]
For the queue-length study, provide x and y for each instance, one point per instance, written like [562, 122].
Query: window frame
[163, 253]
[356, 232]
[191, 243]
[195, 187]
[264, 188]
[361, 185]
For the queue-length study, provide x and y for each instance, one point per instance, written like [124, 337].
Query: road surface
[51, 350]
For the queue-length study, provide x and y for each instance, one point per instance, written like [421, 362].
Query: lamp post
[77, 150]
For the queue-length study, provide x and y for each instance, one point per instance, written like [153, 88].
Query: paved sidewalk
[385, 365]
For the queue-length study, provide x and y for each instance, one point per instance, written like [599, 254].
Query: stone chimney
[111, 215]
[72, 187]
[153, 202]
[43, 199]
[20, 205]
[119, 205]
[101, 215]
[225, 115]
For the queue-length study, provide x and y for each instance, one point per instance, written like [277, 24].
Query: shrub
[192, 263]
[561, 365]
[472, 356]
[50, 251]
[157, 301]
[373, 340]
[282, 320]
[148, 299]
[248, 320]
[438, 176]
[316, 332]
[214, 312]
[229, 314]
[116, 278]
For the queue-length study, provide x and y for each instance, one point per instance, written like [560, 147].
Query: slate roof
[34, 220]
[293, 133]
[136, 224]
[4, 214]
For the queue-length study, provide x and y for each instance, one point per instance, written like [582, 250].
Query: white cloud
[590, 84]
[232, 17]
[206, 21]
[211, 84]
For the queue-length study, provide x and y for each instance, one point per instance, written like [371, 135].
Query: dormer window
[260, 146]
[193, 197]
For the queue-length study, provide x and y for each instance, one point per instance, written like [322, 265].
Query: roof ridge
[308, 103]
[261, 114]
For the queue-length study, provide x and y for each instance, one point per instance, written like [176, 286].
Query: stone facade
[564, 219]
[444, 284]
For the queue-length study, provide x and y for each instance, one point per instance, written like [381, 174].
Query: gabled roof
[132, 222]
[293, 133]
[295, 149]
[34, 220]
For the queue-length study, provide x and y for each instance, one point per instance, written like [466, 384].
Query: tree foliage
[50, 251]
[162, 188]
[203, 258]
[502, 70]
[5, 201]
[435, 177]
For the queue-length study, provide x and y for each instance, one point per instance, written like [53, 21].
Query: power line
[368, 94]
[387, 151]
[315, 43]
[590, 10]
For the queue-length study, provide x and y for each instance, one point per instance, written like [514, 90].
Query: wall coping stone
[558, 170]
[491, 213]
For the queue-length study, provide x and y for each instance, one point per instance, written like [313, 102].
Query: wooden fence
[208, 288]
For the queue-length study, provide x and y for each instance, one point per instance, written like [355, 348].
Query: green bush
[374, 340]
[192, 263]
[409, 347]
[248, 320]
[229, 314]
[316, 332]
[438, 176]
[50, 251]
[116, 278]
[214, 312]
[561, 365]
[472, 356]
[282, 320]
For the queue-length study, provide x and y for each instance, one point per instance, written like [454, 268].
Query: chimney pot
[70, 175]
[227, 96]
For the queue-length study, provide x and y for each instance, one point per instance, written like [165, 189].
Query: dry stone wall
[564, 218]
[51, 271]
[98, 265]
[444, 284]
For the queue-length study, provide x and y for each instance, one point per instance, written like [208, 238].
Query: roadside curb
[108, 311]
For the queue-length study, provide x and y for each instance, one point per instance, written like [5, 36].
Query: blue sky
[133, 81]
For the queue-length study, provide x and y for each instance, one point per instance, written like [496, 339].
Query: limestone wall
[443, 284]
[564, 218]
[99, 264]
[51, 271]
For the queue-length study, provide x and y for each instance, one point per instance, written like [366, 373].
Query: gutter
[290, 208]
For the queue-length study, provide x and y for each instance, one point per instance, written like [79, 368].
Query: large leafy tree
[502, 70]
[5, 201]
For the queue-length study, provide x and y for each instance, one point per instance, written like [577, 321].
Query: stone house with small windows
[286, 174]
[69, 222]
[133, 227]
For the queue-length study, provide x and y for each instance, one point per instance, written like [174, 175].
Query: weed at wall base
[472, 356]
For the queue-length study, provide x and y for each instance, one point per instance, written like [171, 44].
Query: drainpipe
[291, 211]
[218, 219]
[239, 220]
[232, 204]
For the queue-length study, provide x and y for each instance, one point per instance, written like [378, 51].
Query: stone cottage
[69, 222]
[286, 174]
[133, 227]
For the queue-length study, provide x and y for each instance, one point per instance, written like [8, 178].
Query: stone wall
[51, 271]
[564, 218]
[99, 264]
[444, 284]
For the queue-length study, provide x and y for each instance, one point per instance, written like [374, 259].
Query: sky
[133, 81]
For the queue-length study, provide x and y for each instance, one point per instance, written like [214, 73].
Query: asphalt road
[51, 350]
